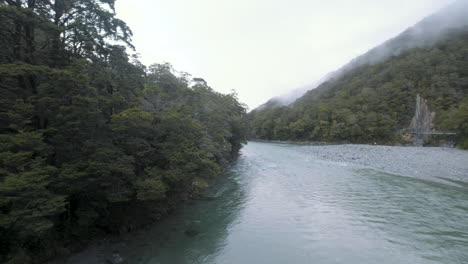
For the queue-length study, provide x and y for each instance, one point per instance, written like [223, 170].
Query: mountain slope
[427, 32]
[374, 97]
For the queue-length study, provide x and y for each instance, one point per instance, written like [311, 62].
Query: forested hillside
[373, 100]
[91, 140]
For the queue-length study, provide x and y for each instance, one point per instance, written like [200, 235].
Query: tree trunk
[56, 42]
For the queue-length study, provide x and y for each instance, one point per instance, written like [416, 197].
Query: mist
[264, 48]
[432, 29]
[429, 31]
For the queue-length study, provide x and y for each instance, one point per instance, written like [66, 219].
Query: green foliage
[456, 119]
[25, 198]
[372, 103]
[151, 188]
[87, 132]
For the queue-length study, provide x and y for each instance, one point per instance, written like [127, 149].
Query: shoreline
[321, 143]
[441, 164]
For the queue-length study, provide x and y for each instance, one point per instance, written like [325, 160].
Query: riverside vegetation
[373, 98]
[91, 140]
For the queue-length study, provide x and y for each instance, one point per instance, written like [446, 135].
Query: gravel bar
[420, 162]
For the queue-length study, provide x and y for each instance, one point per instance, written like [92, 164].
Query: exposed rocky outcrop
[423, 120]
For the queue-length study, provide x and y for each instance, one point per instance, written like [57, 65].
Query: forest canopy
[89, 135]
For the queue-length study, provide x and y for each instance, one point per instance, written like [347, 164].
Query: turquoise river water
[276, 205]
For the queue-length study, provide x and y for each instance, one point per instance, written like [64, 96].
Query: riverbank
[420, 162]
[286, 203]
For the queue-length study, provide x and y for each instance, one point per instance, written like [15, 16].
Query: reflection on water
[276, 205]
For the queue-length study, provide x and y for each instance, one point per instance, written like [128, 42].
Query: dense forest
[91, 140]
[367, 102]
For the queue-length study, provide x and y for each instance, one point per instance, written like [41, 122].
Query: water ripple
[280, 205]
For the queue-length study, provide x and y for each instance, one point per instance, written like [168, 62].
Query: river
[278, 204]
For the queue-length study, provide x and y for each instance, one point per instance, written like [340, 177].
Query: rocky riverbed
[422, 162]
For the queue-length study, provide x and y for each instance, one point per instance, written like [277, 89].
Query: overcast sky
[264, 48]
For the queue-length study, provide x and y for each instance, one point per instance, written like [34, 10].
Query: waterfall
[422, 120]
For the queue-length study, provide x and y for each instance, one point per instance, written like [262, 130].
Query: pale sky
[264, 48]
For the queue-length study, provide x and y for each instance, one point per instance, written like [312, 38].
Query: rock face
[422, 120]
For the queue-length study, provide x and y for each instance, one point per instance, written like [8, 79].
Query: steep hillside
[373, 98]
[426, 33]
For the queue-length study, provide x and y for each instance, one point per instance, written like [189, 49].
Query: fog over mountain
[291, 96]
[434, 28]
